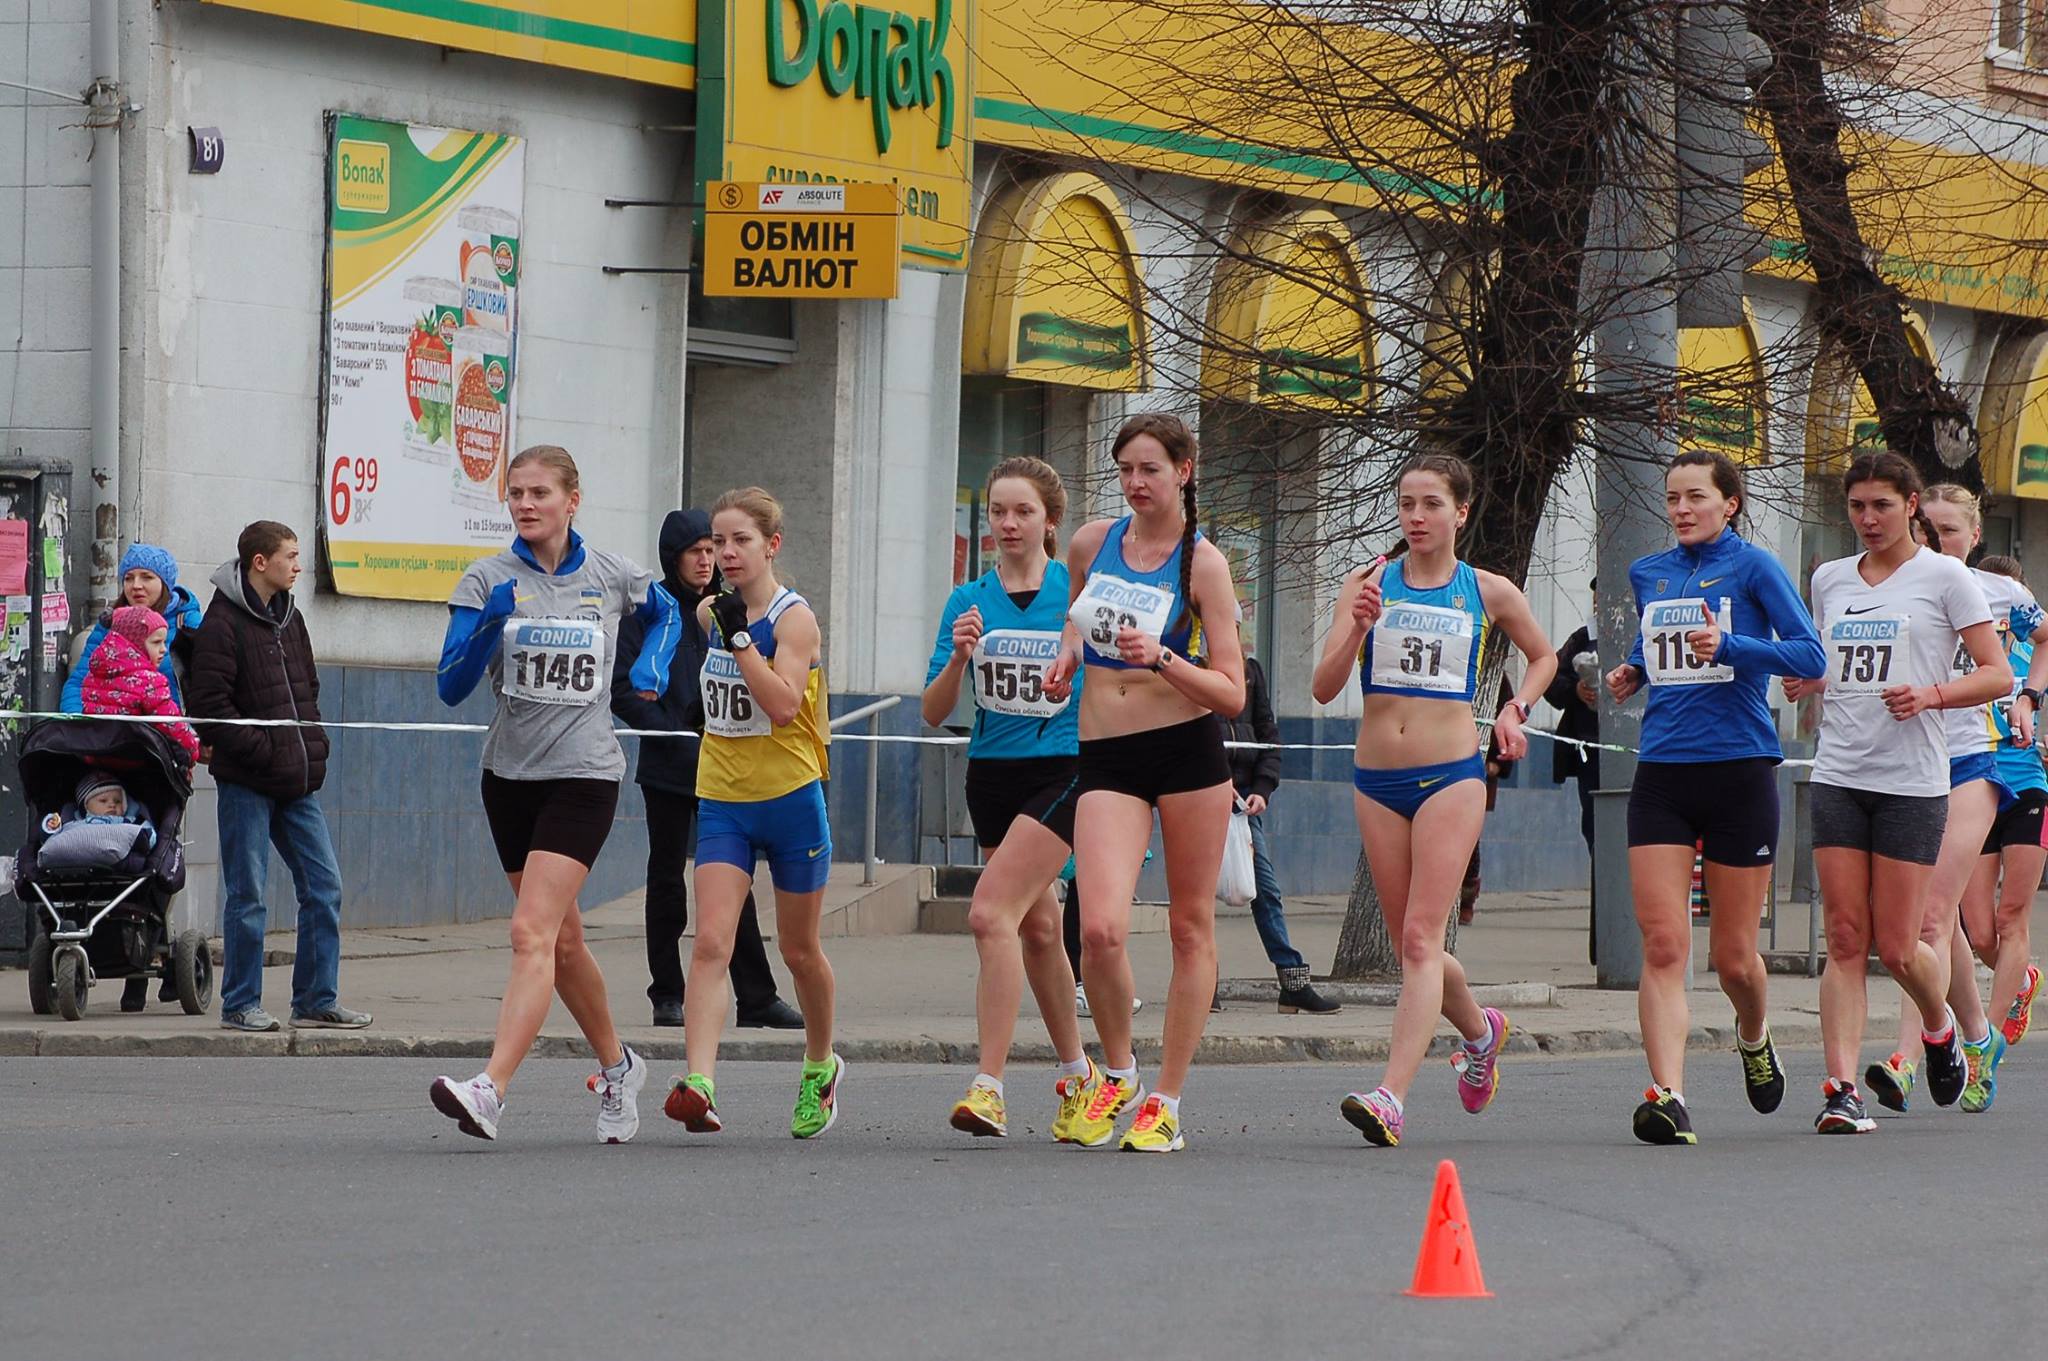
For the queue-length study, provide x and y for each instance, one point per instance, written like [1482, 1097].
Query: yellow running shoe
[981, 1113]
[1096, 1124]
[1156, 1130]
[1073, 1093]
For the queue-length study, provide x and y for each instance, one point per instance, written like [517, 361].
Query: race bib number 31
[1422, 647]
[555, 661]
[1866, 654]
[1109, 603]
[1666, 656]
[729, 708]
[1009, 672]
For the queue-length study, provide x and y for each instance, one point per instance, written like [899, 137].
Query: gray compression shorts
[1896, 826]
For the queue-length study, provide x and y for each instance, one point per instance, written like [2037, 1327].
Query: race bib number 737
[1866, 653]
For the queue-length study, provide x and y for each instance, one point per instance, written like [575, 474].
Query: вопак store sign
[885, 58]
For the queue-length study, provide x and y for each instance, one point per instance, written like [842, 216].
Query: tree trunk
[1856, 311]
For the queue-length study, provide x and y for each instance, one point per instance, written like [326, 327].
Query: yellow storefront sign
[1289, 324]
[1841, 418]
[1721, 390]
[2014, 419]
[800, 240]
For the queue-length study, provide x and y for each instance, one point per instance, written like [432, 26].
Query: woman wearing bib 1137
[542, 620]
[1001, 633]
[761, 794]
[1417, 628]
[1150, 740]
[1719, 619]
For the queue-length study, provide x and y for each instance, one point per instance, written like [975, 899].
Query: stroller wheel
[41, 990]
[69, 978]
[192, 972]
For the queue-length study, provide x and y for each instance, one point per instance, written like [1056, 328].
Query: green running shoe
[1892, 1081]
[1982, 1088]
[817, 1098]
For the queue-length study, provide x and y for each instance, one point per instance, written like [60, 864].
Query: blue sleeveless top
[1427, 643]
[1183, 635]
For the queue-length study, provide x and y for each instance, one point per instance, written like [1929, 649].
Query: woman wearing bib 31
[542, 619]
[1719, 619]
[1417, 628]
[760, 793]
[1890, 619]
[1002, 632]
[1149, 739]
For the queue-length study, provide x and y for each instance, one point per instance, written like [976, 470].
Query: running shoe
[1376, 1114]
[1081, 1001]
[817, 1098]
[2021, 1014]
[474, 1106]
[1096, 1124]
[618, 1099]
[981, 1113]
[1479, 1074]
[1763, 1076]
[1948, 1068]
[1156, 1130]
[1073, 1093]
[1663, 1119]
[1844, 1112]
[1982, 1088]
[1892, 1080]
[690, 1102]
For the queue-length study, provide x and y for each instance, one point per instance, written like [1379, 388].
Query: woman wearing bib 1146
[1417, 628]
[1719, 619]
[542, 620]
[1149, 740]
[1001, 633]
[760, 794]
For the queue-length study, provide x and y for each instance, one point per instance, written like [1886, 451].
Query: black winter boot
[1298, 994]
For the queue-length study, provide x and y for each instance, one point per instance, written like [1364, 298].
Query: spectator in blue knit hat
[149, 578]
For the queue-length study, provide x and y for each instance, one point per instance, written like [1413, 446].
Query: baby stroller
[106, 920]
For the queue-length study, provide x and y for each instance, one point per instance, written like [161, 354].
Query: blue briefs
[1979, 765]
[1405, 790]
[790, 831]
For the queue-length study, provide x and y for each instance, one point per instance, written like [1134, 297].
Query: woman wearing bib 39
[1002, 631]
[542, 619]
[1719, 619]
[1891, 619]
[760, 793]
[1417, 628]
[1142, 586]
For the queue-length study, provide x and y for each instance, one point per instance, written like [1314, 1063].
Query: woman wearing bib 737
[1142, 585]
[1417, 628]
[1719, 619]
[760, 793]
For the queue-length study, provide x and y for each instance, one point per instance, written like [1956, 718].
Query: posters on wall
[421, 360]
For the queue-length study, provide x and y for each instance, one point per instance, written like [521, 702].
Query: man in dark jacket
[1573, 695]
[1256, 775]
[667, 777]
[252, 659]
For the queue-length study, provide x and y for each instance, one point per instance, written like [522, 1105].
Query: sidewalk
[910, 997]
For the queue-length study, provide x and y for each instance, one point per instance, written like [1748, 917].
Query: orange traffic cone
[1448, 1265]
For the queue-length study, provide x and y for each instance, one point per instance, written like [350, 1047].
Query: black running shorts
[1730, 806]
[2020, 823]
[566, 817]
[1037, 787]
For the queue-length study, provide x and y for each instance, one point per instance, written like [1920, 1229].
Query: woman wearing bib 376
[1002, 632]
[1417, 631]
[1891, 618]
[760, 794]
[542, 619]
[1149, 740]
[1719, 619]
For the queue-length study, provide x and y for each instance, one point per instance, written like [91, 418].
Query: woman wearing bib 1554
[1149, 740]
[542, 619]
[760, 791]
[1891, 619]
[1001, 632]
[1719, 619]
[1417, 628]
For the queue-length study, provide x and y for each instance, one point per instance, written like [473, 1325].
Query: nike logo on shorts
[815, 852]
[1424, 784]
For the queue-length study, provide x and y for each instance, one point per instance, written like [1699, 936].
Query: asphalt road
[319, 1208]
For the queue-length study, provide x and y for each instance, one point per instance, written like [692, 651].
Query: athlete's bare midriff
[1399, 731]
[1118, 703]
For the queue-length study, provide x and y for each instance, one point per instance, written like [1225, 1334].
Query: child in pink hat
[123, 677]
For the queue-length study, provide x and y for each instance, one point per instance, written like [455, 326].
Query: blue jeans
[251, 823]
[1268, 913]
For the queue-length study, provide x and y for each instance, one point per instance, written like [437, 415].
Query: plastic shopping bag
[1237, 885]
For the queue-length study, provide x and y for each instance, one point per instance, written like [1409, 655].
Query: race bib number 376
[729, 708]
[555, 661]
[1866, 654]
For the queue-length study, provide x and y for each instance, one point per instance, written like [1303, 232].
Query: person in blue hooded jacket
[1719, 619]
[149, 578]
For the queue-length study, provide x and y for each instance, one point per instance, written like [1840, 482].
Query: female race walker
[1997, 908]
[1719, 619]
[1142, 586]
[1002, 632]
[1977, 797]
[761, 792]
[1891, 620]
[542, 620]
[1416, 628]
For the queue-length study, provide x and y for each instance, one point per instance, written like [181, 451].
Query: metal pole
[106, 117]
[867, 872]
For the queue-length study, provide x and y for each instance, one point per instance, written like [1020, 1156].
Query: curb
[1502, 995]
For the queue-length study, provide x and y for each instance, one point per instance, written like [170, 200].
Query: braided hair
[1179, 442]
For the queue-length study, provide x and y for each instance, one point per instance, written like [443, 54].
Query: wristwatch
[2031, 695]
[1165, 655]
[1521, 710]
[742, 640]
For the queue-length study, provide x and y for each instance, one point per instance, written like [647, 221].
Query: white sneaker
[1080, 1000]
[473, 1105]
[618, 1102]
